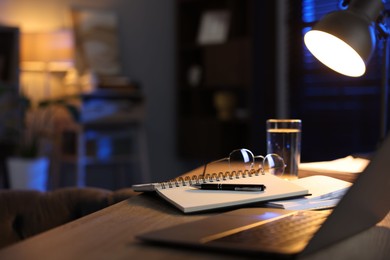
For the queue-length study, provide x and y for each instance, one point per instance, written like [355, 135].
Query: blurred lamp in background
[345, 41]
[47, 52]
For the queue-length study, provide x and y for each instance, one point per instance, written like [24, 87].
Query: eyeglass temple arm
[205, 165]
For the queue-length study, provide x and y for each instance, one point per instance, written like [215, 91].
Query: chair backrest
[24, 213]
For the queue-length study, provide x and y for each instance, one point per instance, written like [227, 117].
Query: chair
[25, 213]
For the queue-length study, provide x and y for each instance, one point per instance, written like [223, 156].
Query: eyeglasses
[242, 162]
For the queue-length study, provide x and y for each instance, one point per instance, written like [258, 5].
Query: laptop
[287, 233]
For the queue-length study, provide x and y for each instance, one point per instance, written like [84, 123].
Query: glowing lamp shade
[345, 40]
[47, 46]
[335, 53]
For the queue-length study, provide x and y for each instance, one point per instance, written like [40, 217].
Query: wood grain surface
[110, 234]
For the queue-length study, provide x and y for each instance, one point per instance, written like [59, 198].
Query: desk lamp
[345, 41]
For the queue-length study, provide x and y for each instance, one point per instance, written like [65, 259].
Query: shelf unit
[115, 139]
[214, 79]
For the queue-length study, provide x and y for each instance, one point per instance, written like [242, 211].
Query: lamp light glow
[345, 40]
[335, 53]
[47, 50]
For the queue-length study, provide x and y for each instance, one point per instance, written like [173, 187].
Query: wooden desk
[110, 234]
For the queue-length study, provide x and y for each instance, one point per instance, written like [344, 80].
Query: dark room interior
[121, 118]
[260, 66]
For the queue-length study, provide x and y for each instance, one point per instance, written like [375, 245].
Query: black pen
[235, 187]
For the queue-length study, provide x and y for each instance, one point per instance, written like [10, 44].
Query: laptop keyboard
[284, 232]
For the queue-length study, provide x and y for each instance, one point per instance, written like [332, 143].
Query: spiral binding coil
[208, 177]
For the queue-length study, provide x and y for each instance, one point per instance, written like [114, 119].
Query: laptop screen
[365, 204]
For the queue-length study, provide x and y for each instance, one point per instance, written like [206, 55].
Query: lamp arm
[384, 34]
[343, 4]
[381, 26]
[384, 88]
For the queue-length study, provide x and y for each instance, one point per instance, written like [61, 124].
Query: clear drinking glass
[284, 139]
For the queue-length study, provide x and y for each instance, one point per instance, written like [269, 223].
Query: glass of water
[284, 139]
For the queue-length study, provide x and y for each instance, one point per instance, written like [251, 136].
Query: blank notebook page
[190, 199]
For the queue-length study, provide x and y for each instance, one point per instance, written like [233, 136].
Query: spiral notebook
[180, 193]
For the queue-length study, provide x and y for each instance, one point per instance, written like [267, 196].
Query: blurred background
[117, 92]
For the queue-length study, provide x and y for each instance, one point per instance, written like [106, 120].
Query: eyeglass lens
[241, 160]
[244, 160]
[273, 164]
